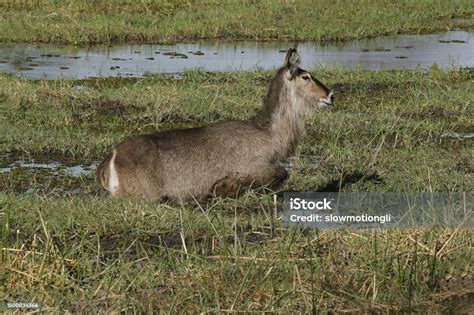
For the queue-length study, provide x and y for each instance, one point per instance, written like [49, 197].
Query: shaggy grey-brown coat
[217, 159]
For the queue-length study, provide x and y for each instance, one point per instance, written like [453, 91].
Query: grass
[68, 247]
[87, 254]
[151, 21]
[387, 127]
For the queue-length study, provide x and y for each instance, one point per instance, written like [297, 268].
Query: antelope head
[306, 88]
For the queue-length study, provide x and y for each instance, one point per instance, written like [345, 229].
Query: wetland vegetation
[69, 247]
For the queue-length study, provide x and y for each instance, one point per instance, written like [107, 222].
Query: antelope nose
[329, 99]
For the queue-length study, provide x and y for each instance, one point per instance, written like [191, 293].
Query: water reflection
[448, 49]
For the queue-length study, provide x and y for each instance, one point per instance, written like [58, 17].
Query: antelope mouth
[327, 101]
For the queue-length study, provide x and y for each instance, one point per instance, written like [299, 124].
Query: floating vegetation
[175, 54]
[447, 41]
[378, 49]
[23, 68]
[50, 55]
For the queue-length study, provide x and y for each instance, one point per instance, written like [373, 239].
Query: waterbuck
[217, 159]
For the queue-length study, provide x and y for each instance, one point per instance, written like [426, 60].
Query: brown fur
[217, 159]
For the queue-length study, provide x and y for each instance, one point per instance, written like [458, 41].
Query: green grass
[393, 131]
[88, 254]
[69, 248]
[151, 21]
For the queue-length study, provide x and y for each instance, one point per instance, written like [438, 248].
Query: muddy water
[47, 176]
[52, 167]
[448, 49]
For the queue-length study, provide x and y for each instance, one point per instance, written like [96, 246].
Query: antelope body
[217, 159]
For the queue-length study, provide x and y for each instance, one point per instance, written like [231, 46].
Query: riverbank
[170, 21]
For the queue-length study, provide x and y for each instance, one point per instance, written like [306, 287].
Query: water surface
[448, 49]
[53, 167]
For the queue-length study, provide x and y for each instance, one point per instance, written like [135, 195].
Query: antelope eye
[305, 77]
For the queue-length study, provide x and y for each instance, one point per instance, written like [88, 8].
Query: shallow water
[448, 49]
[457, 135]
[53, 167]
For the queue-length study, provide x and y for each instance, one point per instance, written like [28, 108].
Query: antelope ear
[292, 58]
[292, 61]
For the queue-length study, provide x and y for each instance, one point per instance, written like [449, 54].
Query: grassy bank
[89, 21]
[66, 246]
[387, 126]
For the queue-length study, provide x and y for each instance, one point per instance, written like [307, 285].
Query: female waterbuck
[217, 159]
